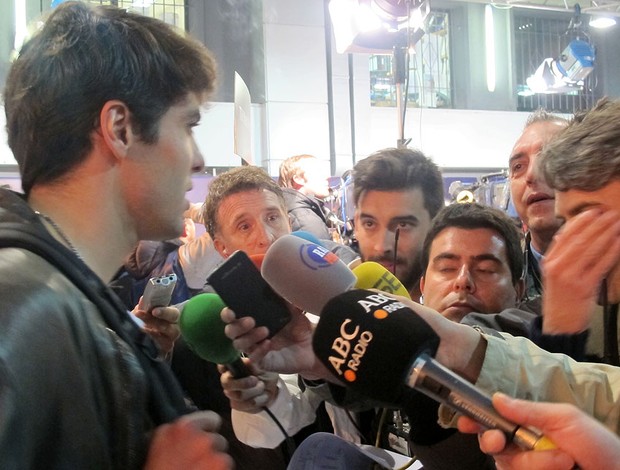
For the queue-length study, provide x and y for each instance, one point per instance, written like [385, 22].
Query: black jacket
[80, 385]
[306, 213]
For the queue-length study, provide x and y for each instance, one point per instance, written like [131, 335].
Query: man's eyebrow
[446, 255]
[237, 218]
[488, 257]
[405, 218]
[516, 156]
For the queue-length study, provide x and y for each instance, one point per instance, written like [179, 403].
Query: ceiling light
[602, 22]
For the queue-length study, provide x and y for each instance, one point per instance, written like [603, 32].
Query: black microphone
[383, 349]
[369, 341]
[202, 329]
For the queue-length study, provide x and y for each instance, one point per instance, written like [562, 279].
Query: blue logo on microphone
[316, 257]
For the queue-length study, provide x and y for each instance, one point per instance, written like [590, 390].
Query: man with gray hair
[531, 196]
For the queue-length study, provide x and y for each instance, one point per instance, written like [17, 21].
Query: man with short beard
[397, 193]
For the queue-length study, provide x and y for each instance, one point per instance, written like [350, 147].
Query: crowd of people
[100, 106]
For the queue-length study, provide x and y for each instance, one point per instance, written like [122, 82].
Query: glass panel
[430, 84]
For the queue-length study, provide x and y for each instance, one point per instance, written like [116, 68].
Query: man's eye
[368, 224]
[517, 168]
[446, 269]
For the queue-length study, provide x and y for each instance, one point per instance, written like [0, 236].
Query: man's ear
[422, 285]
[299, 180]
[520, 289]
[220, 246]
[116, 127]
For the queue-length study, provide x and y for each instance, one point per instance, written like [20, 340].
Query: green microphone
[202, 329]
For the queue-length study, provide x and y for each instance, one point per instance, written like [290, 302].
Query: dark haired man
[472, 262]
[397, 192]
[100, 106]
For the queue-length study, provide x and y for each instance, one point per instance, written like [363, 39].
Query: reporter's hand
[191, 442]
[249, 394]
[289, 351]
[580, 439]
[161, 323]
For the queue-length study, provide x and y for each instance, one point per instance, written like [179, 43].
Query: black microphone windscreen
[369, 341]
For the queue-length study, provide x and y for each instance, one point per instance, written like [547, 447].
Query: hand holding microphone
[378, 346]
[203, 331]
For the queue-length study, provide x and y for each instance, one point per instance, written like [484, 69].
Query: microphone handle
[238, 369]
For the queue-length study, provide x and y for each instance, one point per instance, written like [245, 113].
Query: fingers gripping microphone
[371, 275]
[304, 273]
[369, 341]
[203, 330]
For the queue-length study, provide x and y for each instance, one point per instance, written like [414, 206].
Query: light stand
[400, 63]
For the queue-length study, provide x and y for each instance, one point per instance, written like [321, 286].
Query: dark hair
[586, 155]
[237, 180]
[83, 57]
[472, 216]
[290, 168]
[400, 169]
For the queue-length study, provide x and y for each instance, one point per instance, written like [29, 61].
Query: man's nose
[464, 281]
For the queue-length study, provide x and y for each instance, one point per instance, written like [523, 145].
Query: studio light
[566, 73]
[377, 26]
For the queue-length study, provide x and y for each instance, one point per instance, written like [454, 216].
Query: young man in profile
[100, 107]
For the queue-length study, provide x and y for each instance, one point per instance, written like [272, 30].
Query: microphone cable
[396, 237]
[290, 445]
[241, 370]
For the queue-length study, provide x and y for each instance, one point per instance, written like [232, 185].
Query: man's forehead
[469, 241]
[537, 134]
[403, 201]
[250, 200]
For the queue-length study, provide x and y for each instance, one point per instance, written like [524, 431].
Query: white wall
[453, 138]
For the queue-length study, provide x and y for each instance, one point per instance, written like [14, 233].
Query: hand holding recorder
[158, 319]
